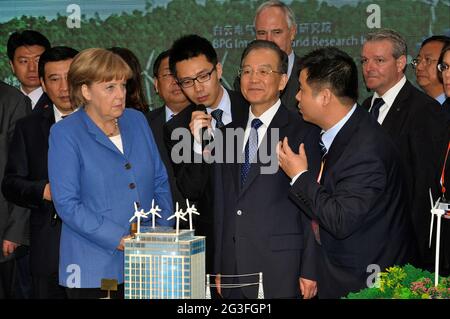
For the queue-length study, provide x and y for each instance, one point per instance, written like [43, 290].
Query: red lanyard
[443, 170]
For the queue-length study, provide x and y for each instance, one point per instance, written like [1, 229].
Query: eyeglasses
[442, 67]
[415, 62]
[166, 76]
[261, 72]
[188, 82]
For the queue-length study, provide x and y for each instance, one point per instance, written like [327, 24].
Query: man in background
[14, 232]
[275, 21]
[175, 101]
[24, 49]
[26, 175]
[425, 65]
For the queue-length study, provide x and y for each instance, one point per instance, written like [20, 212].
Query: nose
[122, 92]
[64, 84]
[198, 86]
[32, 66]
[420, 65]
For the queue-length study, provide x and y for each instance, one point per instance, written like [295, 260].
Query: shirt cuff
[197, 147]
[294, 179]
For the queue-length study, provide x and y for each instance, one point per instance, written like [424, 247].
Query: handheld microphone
[205, 136]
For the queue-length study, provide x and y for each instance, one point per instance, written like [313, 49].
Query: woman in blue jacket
[102, 159]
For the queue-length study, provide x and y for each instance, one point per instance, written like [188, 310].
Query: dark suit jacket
[26, 175]
[194, 178]
[157, 122]
[290, 91]
[43, 103]
[257, 227]
[360, 207]
[444, 269]
[416, 127]
[13, 219]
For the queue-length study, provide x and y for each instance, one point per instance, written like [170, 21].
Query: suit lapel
[395, 115]
[102, 139]
[341, 140]
[47, 120]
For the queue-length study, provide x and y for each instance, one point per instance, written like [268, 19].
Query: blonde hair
[92, 66]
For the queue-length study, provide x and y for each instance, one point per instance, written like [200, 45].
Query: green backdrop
[150, 27]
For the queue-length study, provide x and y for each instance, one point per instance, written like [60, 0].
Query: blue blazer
[94, 187]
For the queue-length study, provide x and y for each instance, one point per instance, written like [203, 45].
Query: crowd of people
[351, 187]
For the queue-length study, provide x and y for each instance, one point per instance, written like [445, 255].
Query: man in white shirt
[412, 120]
[258, 229]
[194, 62]
[275, 21]
[24, 49]
[26, 178]
[358, 198]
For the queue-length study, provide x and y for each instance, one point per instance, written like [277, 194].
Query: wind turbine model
[178, 214]
[438, 210]
[190, 210]
[138, 214]
[154, 212]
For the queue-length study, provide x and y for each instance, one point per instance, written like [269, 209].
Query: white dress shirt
[34, 96]
[388, 98]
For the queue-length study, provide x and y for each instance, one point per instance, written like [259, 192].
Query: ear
[219, 70]
[326, 96]
[12, 67]
[283, 82]
[86, 92]
[155, 84]
[401, 63]
[293, 31]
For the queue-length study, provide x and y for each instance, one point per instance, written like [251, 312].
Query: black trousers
[47, 287]
[94, 293]
[7, 274]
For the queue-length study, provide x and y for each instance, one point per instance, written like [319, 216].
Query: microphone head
[200, 107]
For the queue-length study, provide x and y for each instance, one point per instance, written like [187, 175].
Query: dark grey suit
[13, 219]
[257, 227]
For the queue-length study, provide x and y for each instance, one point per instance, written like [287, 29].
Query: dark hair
[191, 46]
[26, 37]
[135, 93]
[55, 54]
[436, 38]
[333, 68]
[157, 63]
[445, 49]
[264, 44]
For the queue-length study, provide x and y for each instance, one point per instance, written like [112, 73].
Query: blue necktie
[377, 104]
[217, 115]
[251, 148]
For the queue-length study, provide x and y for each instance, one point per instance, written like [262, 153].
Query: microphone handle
[205, 136]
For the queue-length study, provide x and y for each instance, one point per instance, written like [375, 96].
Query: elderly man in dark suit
[174, 102]
[13, 219]
[257, 227]
[26, 176]
[275, 21]
[412, 120]
[358, 199]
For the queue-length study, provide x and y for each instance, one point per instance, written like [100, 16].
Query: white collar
[34, 95]
[391, 94]
[267, 117]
